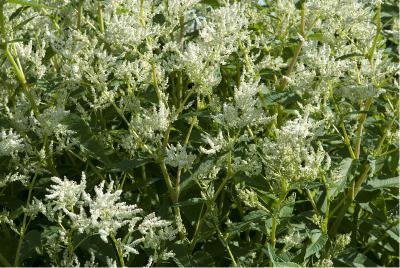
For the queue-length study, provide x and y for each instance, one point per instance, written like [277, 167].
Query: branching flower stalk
[345, 136]
[174, 193]
[370, 100]
[275, 219]
[202, 215]
[351, 195]
[179, 172]
[357, 147]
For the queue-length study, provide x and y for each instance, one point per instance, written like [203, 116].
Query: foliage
[199, 133]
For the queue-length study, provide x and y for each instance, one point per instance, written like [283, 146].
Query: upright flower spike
[10, 143]
[177, 156]
[65, 193]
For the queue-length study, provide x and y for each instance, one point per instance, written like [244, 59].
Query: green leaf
[318, 241]
[282, 98]
[129, 164]
[277, 260]
[16, 13]
[271, 254]
[286, 264]
[23, 23]
[213, 3]
[355, 259]
[349, 56]
[287, 207]
[31, 243]
[182, 257]
[190, 202]
[344, 170]
[317, 37]
[29, 4]
[89, 141]
[248, 222]
[203, 259]
[384, 183]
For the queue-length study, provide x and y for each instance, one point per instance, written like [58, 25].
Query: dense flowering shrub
[199, 133]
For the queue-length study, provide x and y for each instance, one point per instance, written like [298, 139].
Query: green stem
[226, 244]
[246, 57]
[326, 216]
[174, 193]
[131, 130]
[24, 224]
[360, 127]
[310, 197]
[229, 174]
[119, 251]
[220, 188]
[89, 163]
[378, 31]
[273, 231]
[275, 216]
[173, 196]
[196, 230]
[18, 72]
[21, 78]
[348, 199]
[167, 180]
[100, 16]
[284, 80]
[2, 28]
[71, 248]
[144, 177]
[189, 132]
[121, 185]
[155, 82]
[79, 16]
[84, 239]
[179, 223]
[141, 18]
[347, 141]
[179, 172]
[182, 31]
[346, 138]
[49, 158]
[181, 43]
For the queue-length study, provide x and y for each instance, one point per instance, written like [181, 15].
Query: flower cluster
[104, 214]
[299, 162]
